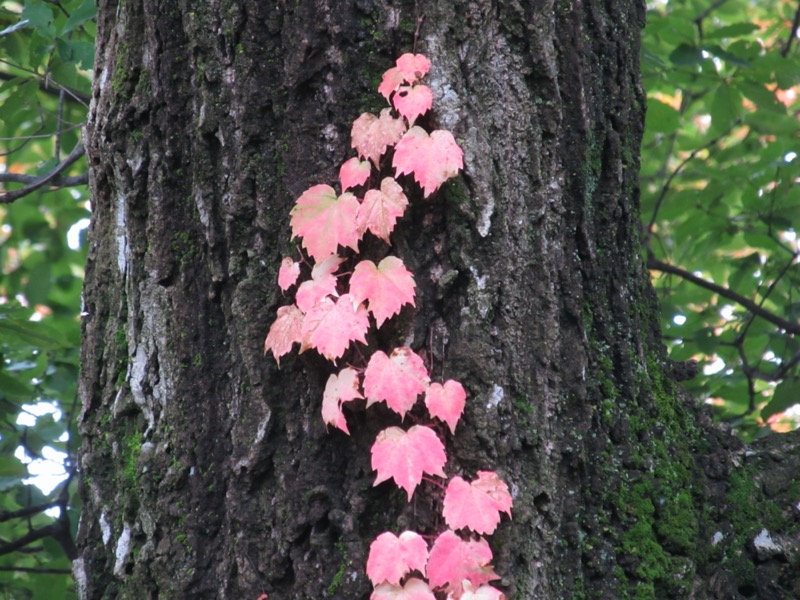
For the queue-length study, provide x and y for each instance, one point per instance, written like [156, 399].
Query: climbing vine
[333, 309]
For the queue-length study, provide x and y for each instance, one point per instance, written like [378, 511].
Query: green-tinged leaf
[762, 97]
[85, 12]
[661, 117]
[686, 55]
[40, 17]
[725, 108]
[29, 333]
[731, 31]
[787, 394]
[14, 387]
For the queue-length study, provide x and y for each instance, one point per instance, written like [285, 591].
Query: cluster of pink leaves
[331, 311]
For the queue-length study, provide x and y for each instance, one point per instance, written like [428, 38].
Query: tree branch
[10, 197]
[37, 534]
[36, 570]
[26, 512]
[793, 33]
[68, 181]
[789, 326]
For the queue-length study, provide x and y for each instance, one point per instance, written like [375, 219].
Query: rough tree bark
[207, 472]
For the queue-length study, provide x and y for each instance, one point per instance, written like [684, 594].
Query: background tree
[318, 70]
[46, 50]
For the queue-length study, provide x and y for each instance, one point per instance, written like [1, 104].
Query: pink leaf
[484, 592]
[391, 557]
[325, 221]
[398, 379]
[331, 326]
[446, 402]
[386, 287]
[354, 172]
[284, 332]
[432, 159]
[288, 273]
[410, 68]
[405, 456]
[371, 135]
[339, 389]
[413, 101]
[321, 284]
[476, 505]
[381, 209]
[414, 589]
[453, 560]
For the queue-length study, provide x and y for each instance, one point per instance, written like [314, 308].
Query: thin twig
[76, 153]
[793, 33]
[789, 326]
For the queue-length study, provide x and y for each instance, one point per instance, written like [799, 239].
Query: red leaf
[330, 326]
[398, 379]
[386, 287]
[284, 332]
[452, 560]
[476, 505]
[371, 135]
[413, 101]
[410, 68]
[446, 402]
[288, 273]
[354, 172]
[321, 284]
[339, 389]
[391, 557]
[381, 209]
[432, 159]
[325, 221]
[405, 456]
[414, 589]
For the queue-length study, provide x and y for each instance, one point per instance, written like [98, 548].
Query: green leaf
[686, 56]
[725, 108]
[40, 16]
[661, 117]
[731, 31]
[12, 386]
[85, 12]
[787, 394]
[30, 333]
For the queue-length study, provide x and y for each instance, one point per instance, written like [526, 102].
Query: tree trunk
[207, 472]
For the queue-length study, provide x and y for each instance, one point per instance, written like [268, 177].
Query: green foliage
[720, 200]
[47, 49]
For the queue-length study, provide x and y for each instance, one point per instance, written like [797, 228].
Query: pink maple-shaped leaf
[284, 332]
[405, 456]
[453, 560]
[288, 273]
[380, 209]
[330, 326]
[339, 389]
[391, 557]
[413, 101]
[476, 505]
[409, 68]
[386, 287]
[325, 221]
[398, 379]
[354, 172]
[371, 135]
[321, 284]
[483, 592]
[446, 402]
[432, 159]
[414, 589]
